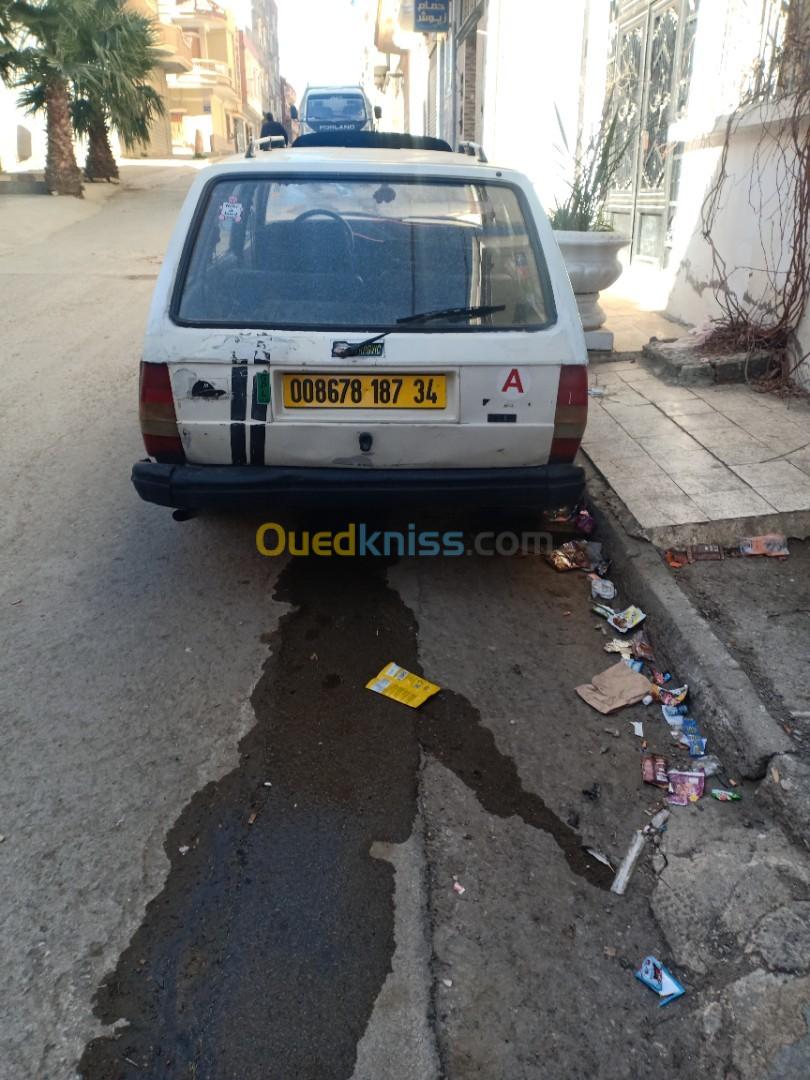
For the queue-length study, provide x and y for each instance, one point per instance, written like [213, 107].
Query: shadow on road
[265, 951]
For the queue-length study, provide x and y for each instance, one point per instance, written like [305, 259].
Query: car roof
[354, 88]
[325, 159]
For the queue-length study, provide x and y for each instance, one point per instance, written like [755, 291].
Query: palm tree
[118, 46]
[38, 55]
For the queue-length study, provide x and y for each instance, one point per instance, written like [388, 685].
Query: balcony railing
[206, 74]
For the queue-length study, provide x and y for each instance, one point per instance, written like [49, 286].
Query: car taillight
[158, 418]
[571, 415]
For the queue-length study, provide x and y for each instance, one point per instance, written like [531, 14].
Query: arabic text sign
[432, 16]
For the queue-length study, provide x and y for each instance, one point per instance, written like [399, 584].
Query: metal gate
[649, 72]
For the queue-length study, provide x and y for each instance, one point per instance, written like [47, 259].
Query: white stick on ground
[628, 865]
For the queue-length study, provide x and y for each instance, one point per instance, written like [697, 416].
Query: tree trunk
[100, 164]
[62, 174]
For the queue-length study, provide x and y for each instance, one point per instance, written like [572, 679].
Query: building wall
[22, 137]
[749, 232]
[253, 90]
[532, 74]
[160, 142]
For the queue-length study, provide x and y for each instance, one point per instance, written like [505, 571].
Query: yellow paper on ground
[401, 685]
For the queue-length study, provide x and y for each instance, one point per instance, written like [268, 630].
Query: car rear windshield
[361, 254]
[328, 107]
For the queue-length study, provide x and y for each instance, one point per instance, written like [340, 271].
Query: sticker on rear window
[231, 210]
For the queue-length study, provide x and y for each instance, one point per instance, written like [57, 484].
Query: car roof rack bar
[267, 140]
[473, 149]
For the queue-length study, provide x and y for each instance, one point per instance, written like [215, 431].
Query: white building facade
[530, 81]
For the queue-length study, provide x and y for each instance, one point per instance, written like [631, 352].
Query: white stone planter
[591, 259]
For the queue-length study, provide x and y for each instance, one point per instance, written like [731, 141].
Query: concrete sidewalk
[709, 464]
[632, 324]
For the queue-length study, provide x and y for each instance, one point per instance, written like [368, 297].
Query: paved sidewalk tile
[714, 480]
[733, 504]
[681, 456]
[676, 409]
[738, 450]
[771, 477]
[801, 459]
[784, 500]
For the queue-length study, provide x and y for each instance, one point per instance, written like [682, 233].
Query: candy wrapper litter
[577, 555]
[669, 697]
[725, 796]
[691, 737]
[634, 665]
[653, 974]
[601, 588]
[706, 552]
[603, 610]
[642, 650]
[654, 770]
[710, 765]
[400, 685]
[675, 714]
[772, 544]
[685, 787]
[677, 558]
[626, 620]
[585, 522]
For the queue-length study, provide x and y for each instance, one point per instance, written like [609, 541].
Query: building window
[652, 50]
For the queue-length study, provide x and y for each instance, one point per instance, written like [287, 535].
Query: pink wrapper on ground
[685, 787]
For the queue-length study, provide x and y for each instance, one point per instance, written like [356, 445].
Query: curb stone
[786, 791]
[681, 363]
[723, 695]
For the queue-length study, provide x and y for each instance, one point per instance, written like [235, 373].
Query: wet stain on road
[265, 952]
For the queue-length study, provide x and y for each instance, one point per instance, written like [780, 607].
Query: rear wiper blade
[452, 314]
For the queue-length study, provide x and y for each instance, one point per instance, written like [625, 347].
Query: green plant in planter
[583, 209]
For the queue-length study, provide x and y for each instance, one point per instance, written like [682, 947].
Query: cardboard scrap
[401, 685]
[614, 688]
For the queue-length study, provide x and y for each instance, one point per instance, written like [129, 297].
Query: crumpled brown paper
[614, 688]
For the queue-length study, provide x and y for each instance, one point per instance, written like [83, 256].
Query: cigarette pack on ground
[400, 685]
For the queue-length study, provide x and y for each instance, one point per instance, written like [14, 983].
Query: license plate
[365, 391]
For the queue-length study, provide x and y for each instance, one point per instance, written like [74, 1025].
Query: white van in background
[336, 108]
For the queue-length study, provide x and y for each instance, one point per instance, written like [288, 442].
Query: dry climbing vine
[769, 319]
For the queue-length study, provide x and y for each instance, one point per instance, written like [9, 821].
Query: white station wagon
[335, 323]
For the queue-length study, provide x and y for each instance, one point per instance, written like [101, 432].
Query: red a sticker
[513, 382]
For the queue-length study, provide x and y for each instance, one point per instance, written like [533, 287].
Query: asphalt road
[223, 857]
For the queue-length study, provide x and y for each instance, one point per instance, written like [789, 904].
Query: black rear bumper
[197, 487]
